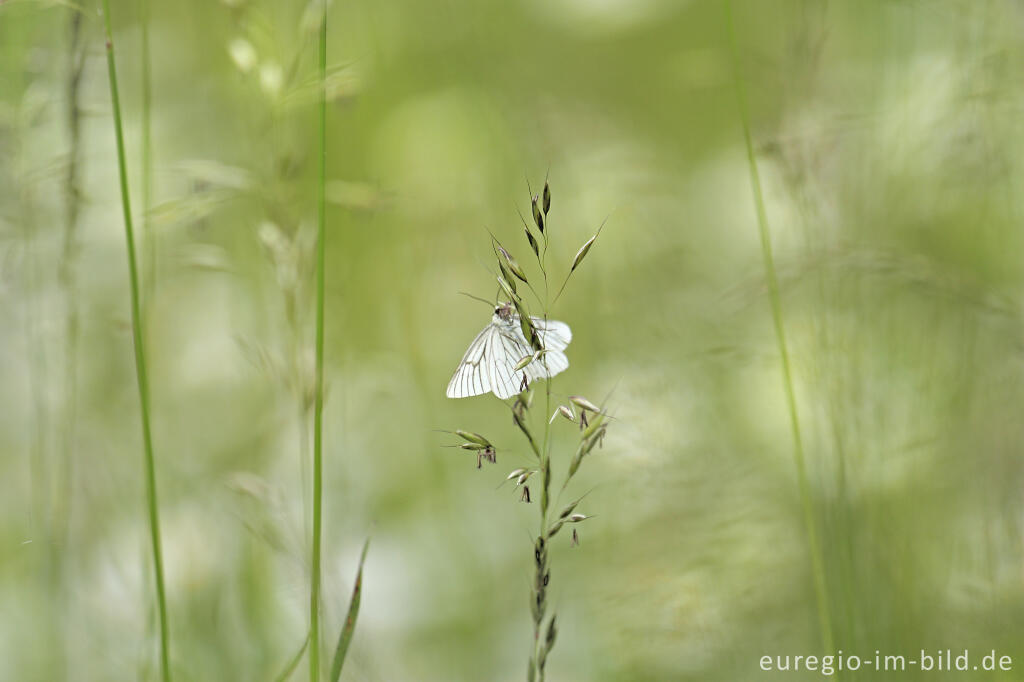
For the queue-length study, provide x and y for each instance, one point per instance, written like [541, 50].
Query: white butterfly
[489, 364]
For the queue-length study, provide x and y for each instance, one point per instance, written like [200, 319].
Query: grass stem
[140, 358]
[148, 236]
[817, 562]
[545, 465]
[318, 399]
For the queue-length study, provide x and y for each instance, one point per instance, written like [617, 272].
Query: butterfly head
[503, 312]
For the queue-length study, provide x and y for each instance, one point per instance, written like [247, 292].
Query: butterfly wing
[555, 337]
[471, 376]
[489, 362]
[507, 349]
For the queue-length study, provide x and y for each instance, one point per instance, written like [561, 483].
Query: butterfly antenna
[475, 298]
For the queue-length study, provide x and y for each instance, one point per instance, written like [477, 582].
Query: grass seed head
[533, 241]
[577, 459]
[512, 263]
[569, 509]
[520, 475]
[525, 399]
[584, 404]
[517, 417]
[516, 473]
[552, 633]
[582, 253]
[509, 280]
[472, 437]
[538, 217]
[595, 424]
[530, 332]
[547, 197]
[521, 310]
[596, 438]
[523, 362]
[565, 412]
[506, 288]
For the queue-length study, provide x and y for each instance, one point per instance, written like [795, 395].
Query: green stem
[545, 464]
[318, 406]
[148, 237]
[817, 562]
[140, 358]
[546, 459]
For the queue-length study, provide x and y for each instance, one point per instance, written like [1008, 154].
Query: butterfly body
[489, 365]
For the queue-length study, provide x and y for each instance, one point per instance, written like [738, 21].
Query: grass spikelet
[582, 253]
[523, 362]
[533, 242]
[584, 404]
[512, 263]
[538, 218]
[473, 437]
[507, 281]
[578, 258]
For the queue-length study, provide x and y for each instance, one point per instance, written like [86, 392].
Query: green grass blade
[814, 546]
[140, 357]
[293, 663]
[350, 619]
[318, 398]
[148, 235]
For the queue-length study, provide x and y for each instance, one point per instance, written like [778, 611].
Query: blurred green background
[889, 140]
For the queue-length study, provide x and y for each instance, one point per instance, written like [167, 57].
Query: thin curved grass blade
[293, 663]
[350, 620]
